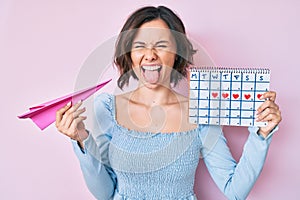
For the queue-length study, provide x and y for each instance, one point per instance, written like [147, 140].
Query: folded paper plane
[45, 114]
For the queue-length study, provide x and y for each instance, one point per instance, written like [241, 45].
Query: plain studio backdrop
[44, 46]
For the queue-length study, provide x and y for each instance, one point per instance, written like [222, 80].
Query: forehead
[154, 31]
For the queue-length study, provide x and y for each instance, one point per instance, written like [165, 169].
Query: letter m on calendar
[226, 96]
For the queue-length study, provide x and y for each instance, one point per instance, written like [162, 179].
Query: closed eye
[138, 45]
[162, 44]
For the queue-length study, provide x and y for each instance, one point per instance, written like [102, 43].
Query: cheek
[169, 59]
[136, 58]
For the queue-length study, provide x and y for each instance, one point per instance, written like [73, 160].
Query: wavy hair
[122, 57]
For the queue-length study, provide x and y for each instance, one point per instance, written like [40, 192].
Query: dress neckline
[144, 134]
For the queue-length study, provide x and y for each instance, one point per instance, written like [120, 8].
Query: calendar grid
[220, 102]
[209, 100]
[241, 100]
[198, 102]
[226, 96]
[255, 94]
[230, 97]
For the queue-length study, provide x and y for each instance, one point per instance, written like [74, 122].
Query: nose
[150, 54]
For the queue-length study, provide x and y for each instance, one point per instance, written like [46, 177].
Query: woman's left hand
[268, 112]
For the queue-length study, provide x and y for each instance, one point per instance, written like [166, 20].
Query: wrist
[81, 136]
[263, 133]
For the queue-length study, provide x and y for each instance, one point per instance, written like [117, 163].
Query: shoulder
[103, 98]
[104, 112]
[103, 101]
[103, 105]
[180, 97]
[121, 100]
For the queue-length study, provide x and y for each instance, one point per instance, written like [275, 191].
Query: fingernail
[256, 118]
[69, 103]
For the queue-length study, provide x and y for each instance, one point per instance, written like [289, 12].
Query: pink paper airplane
[45, 114]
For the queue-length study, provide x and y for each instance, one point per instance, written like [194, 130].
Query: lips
[151, 68]
[151, 73]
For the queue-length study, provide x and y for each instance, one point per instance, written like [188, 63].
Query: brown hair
[122, 56]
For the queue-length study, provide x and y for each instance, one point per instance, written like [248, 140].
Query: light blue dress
[122, 164]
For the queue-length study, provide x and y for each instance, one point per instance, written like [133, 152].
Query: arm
[92, 153]
[237, 179]
[100, 179]
[234, 179]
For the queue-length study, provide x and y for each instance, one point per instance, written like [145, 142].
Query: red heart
[247, 96]
[214, 94]
[235, 96]
[225, 95]
[259, 95]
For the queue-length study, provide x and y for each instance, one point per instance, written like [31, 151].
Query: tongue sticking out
[151, 76]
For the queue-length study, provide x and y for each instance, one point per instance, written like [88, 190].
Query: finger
[60, 112]
[269, 114]
[71, 130]
[73, 116]
[70, 112]
[74, 108]
[79, 119]
[270, 95]
[79, 112]
[273, 119]
[267, 104]
[76, 128]
[76, 122]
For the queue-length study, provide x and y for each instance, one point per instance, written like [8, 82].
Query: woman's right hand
[70, 122]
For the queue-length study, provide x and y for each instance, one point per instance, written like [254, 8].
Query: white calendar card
[226, 96]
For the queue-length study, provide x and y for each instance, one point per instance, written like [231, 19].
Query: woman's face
[153, 53]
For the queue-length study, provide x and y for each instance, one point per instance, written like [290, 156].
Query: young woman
[145, 147]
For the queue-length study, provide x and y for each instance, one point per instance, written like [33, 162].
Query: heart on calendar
[259, 95]
[247, 96]
[214, 94]
[225, 95]
[235, 96]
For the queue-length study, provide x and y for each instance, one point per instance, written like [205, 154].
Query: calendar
[226, 96]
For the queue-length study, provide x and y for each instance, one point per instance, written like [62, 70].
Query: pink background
[43, 45]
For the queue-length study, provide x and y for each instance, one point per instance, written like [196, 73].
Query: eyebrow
[139, 42]
[159, 42]
[162, 41]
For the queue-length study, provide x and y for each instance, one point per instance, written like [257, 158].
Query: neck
[154, 96]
